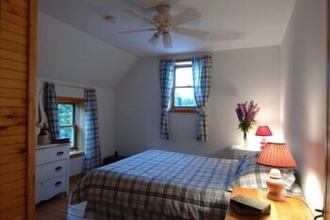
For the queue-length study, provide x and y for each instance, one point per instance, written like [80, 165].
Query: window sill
[76, 153]
[183, 110]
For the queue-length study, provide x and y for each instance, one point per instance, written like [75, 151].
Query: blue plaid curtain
[51, 110]
[92, 158]
[166, 75]
[202, 68]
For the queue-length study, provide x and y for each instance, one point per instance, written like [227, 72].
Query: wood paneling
[12, 93]
[12, 37]
[31, 136]
[13, 186]
[7, 26]
[11, 46]
[8, 83]
[18, 21]
[13, 18]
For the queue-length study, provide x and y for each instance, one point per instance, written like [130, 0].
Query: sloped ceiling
[231, 24]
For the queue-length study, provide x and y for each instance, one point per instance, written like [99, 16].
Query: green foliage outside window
[65, 112]
[66, 121]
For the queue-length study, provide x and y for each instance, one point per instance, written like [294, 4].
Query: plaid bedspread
[168, 183]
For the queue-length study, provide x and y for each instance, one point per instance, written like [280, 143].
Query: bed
[158, 184]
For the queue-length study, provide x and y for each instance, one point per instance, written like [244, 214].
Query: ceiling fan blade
[187, 15]
[139, 15]
[149, 4]
[190, 32]
[137, 30]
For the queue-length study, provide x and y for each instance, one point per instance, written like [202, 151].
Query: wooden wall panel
[13, 18]
[11, 46]
[13, 186]
[18, 21]
[12, 93]
[11, 212]
[13, 149]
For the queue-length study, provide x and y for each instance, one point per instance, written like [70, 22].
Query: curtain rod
[64, 84]
[185, 56]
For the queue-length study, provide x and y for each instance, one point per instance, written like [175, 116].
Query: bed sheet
[176, 185]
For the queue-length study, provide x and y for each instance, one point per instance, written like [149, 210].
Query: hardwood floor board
[59, 208]
[43, 216]
[56, 213]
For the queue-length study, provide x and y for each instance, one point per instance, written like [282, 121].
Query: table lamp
[264, 131]
[276, 155]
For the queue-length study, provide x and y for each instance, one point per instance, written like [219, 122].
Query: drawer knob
[57, 184]
[57, 169]
[60, 153]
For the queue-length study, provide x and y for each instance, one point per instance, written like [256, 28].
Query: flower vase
[43, 139]
[245, 140]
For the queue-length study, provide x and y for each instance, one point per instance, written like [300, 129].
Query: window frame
[184, 109]
[78, 104]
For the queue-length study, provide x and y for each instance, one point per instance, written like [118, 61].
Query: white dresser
[52, 170]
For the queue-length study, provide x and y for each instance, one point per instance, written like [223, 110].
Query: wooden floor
[59, 207]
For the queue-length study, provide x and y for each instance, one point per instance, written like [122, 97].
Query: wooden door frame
[31, 101]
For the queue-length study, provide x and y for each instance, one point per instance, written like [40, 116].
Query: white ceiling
[231, 24]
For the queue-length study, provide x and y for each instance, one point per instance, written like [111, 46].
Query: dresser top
[39, 147]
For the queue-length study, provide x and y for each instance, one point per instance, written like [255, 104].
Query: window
[183, 99]
[70, 112]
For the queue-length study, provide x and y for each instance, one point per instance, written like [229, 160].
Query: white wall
[303, 67]
[238, 76]
[69, 55]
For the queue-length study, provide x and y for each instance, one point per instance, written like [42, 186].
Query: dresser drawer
[50, 170]
[50, 187]
[46, 155]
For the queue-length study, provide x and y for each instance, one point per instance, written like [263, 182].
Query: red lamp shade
[276, 155]
[263, 130]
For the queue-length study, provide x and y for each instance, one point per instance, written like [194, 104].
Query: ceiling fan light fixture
[154, 39]
[167, 40]
[164, 23]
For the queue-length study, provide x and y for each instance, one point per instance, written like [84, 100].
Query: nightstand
[292, 208]
[240, 151]
[112, 159]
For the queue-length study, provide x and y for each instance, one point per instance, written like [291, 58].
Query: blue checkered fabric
[166, 76]
[92, 158]
[51, 110]
[160, 185]
[202, 69]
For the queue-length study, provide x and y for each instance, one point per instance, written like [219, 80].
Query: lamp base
[275, 185]
[263, 143]
[275, 197]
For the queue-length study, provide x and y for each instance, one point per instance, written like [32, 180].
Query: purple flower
[246, 114]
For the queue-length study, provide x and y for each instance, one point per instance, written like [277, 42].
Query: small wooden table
[292, 208]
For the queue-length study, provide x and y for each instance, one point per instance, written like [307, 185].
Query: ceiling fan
[164, 24]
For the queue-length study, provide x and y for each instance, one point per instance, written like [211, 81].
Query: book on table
[245, 205]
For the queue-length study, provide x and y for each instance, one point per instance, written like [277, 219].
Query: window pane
[65, 112]
[67, 132]
[183, 77]
[184, 97]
